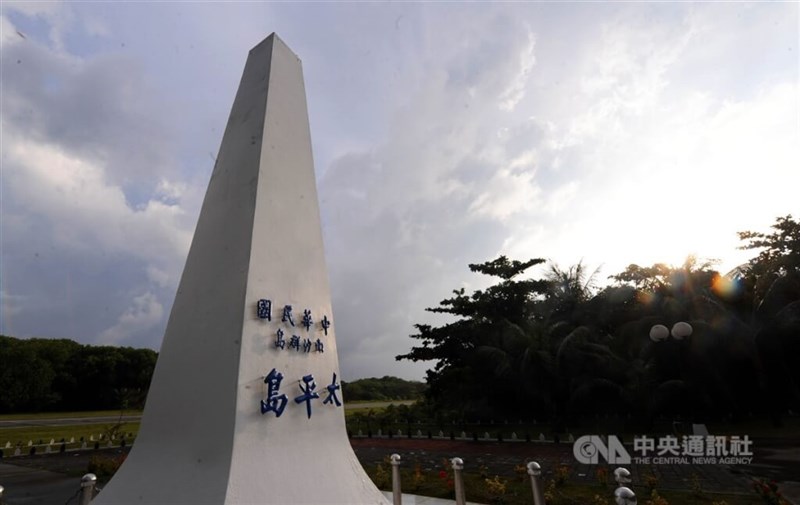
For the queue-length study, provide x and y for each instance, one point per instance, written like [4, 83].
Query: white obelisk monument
[245, 405]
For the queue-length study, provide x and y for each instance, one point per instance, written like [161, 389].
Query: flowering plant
[497, 489]
[656, 499]
[768, 491]
[601, 474]
[446, 476]
[418, 477]
[561, 474]
[651, 480]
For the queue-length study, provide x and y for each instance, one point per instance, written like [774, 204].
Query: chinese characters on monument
[275, 401]
[296, 342]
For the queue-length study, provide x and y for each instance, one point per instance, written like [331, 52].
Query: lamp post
[672, 355]
[671, 359]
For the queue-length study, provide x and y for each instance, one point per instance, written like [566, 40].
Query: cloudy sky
[444, 134]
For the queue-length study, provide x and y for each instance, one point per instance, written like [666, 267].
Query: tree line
[560, 349]
[60, 375]
[38, 375]
[384, 389]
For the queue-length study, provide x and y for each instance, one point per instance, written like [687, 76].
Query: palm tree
[568, 290]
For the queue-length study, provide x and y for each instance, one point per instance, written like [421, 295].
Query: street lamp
[670, 358]
[681, 330]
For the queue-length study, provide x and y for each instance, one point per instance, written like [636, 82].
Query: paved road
[65, 421]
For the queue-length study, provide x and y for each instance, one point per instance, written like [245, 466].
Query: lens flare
[646, 297]
[725, 287]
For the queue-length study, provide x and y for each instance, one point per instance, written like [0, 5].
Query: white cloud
[506, 194]
[667, 168]
[76, 154]
[95, 26]
[516, 88]
[561, 198]
[170, 191]
[161, 278]
[58, 16]
[444, 135]
[144, 313]
[93, 214]
[11, 306]
[8, 33]
[33, 8]
[405, 218]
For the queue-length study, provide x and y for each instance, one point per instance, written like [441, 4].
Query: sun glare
[725, 287]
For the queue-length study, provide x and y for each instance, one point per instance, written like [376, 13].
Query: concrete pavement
[28, 486]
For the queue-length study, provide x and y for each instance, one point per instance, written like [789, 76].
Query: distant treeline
[60, 375]
[385, 388]
[39, 375]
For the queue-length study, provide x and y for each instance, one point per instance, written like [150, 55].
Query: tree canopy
[61, 375]
[558, 347]
[382, 389]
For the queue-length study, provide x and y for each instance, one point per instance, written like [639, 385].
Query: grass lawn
[25, 434]
[375, 406]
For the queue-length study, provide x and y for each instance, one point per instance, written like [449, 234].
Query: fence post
[622, 476]
[458, 480]
[396, 493]
[624, 496]
[535, 472]
[88, 482]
